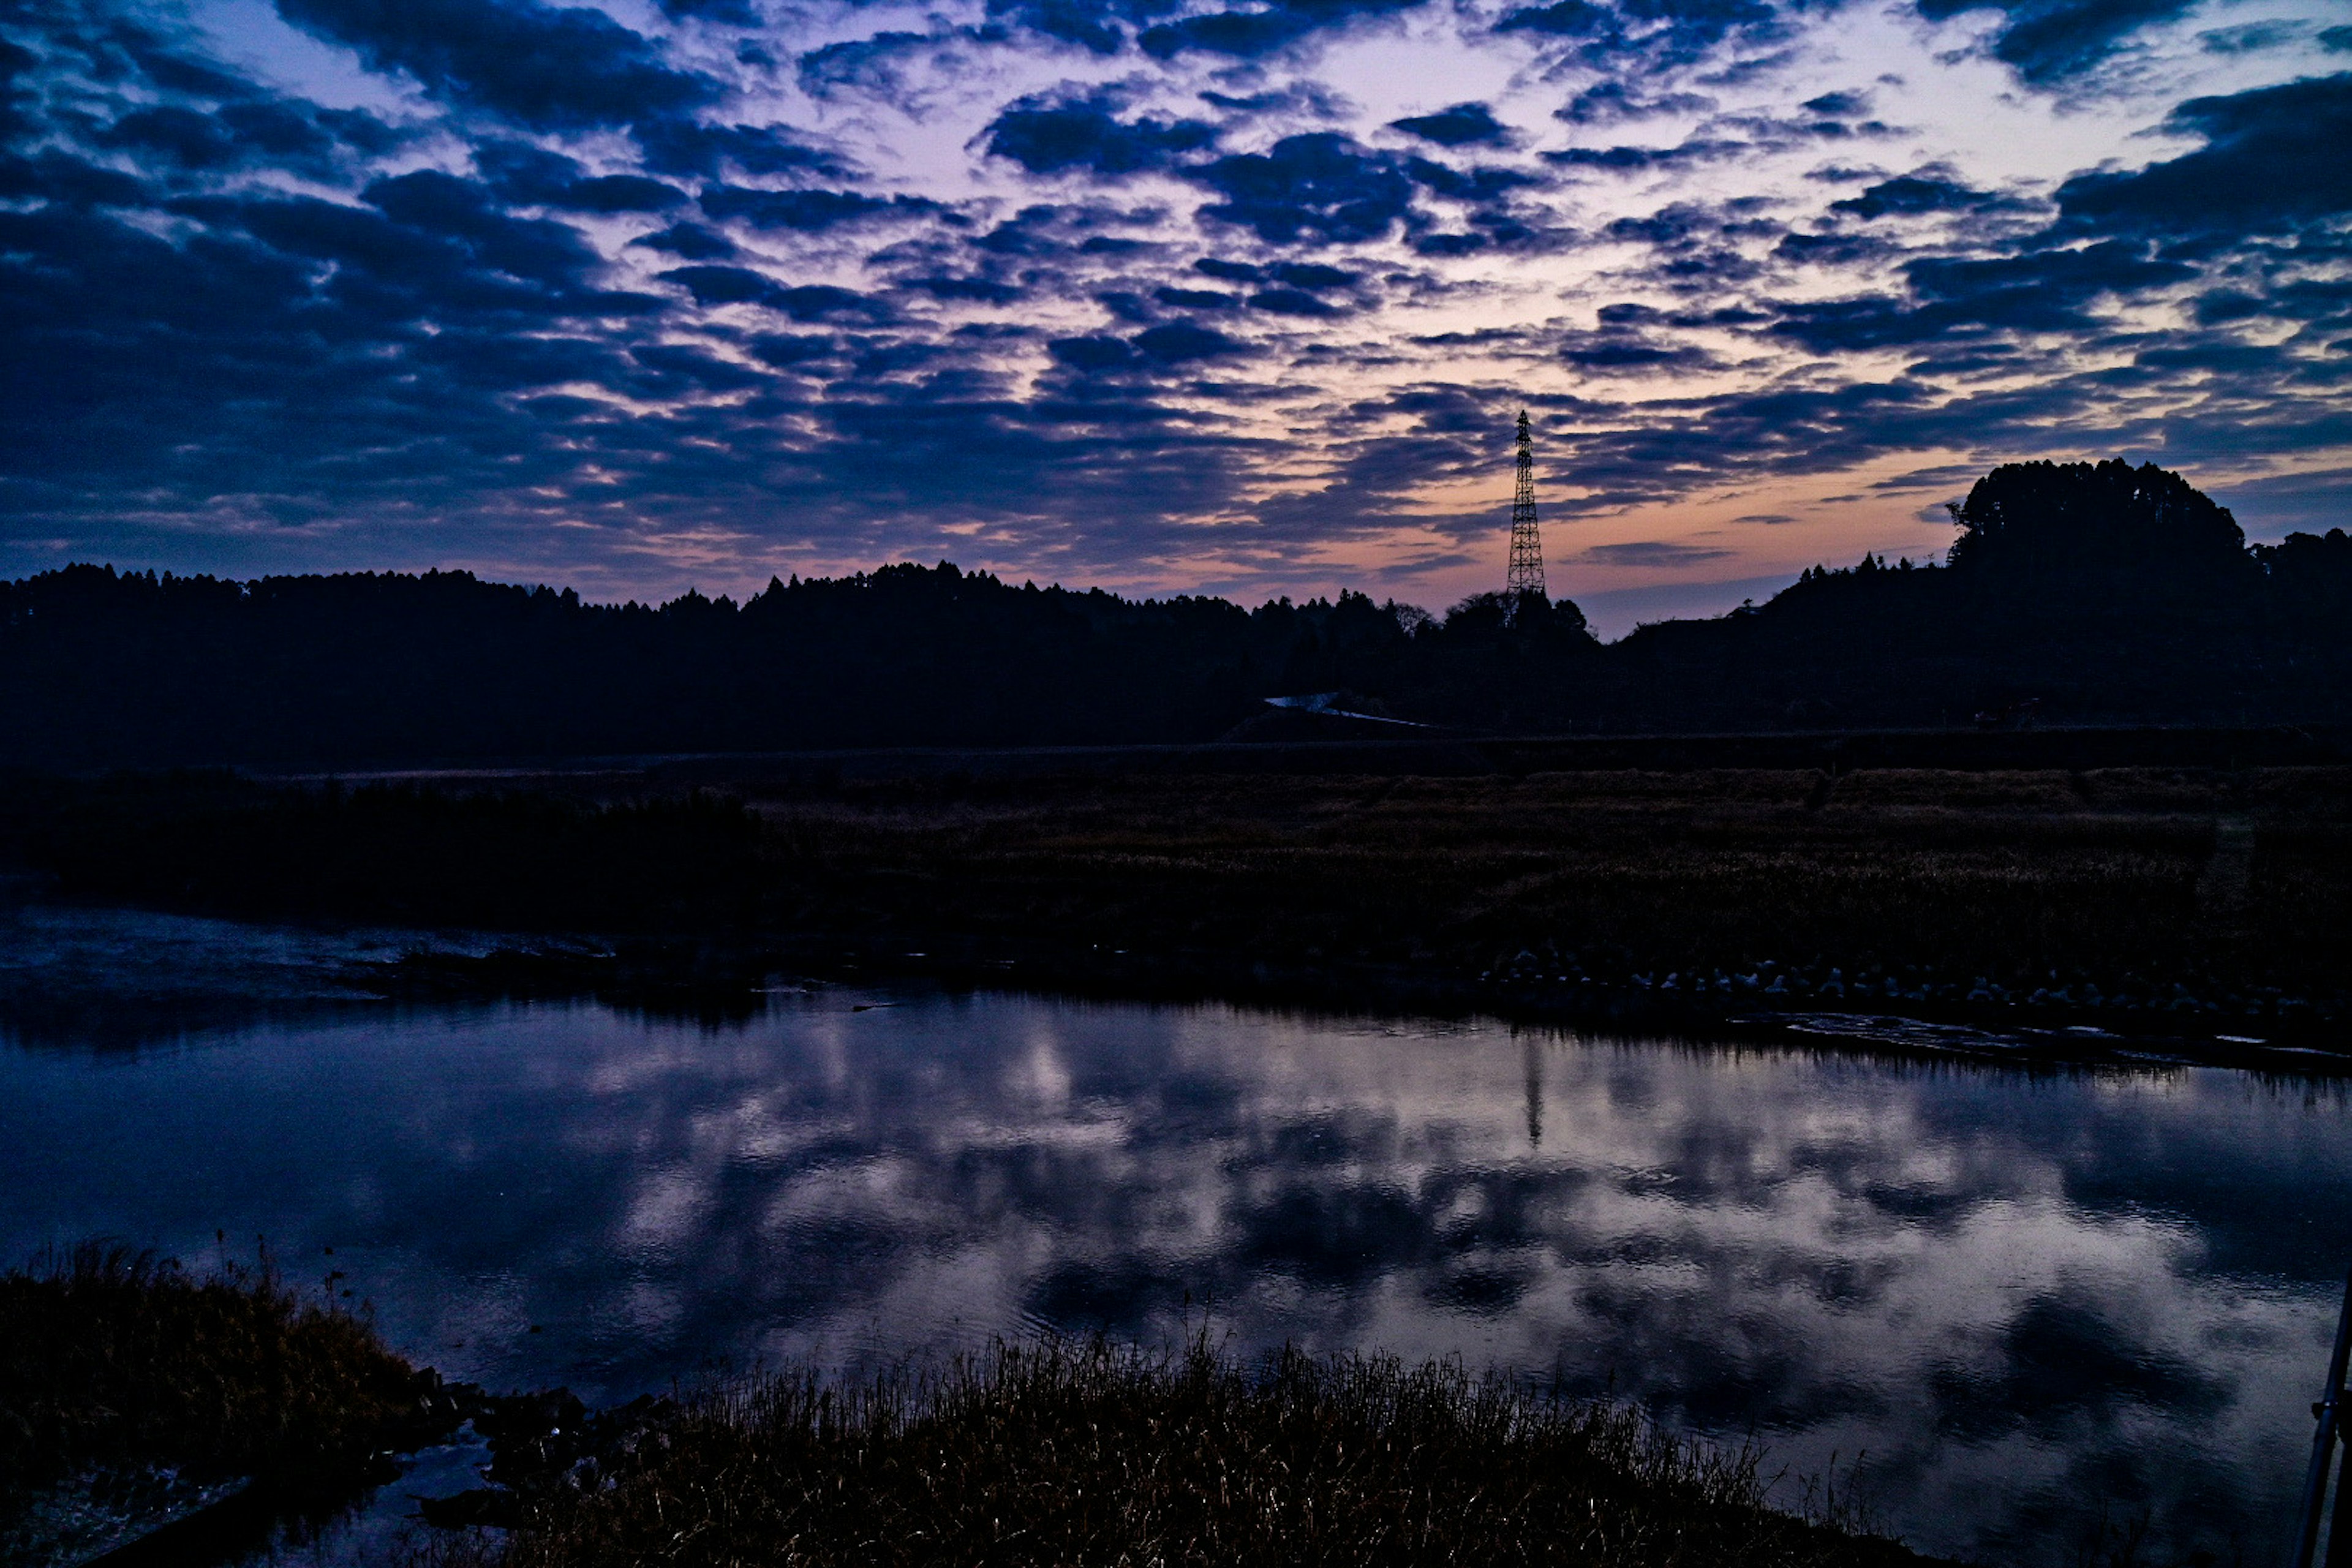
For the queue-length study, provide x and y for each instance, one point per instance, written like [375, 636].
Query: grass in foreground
[109, 1358]
[1092, 1455]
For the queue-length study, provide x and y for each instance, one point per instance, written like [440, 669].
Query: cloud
[717, 285]
[1249, 35]
[2273, 162]
[1180, 341]
[1051, 135]
[1321, 187]
[698, 364]
[1637, 160]
[241, 325]
[1914, 194]
[1657, 552]
[1613, 101]
[2049, 41]
[690, 241]
[1846, 104]
[549, 67]
[1463, 125]
[1292, 302]
[1091, 23]
[808, 212]
[2039, 292]
[681, 146]
[1658, 35]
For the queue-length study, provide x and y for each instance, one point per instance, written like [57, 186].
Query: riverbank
[1090, 1454]
[137, 1397]
[2187, 913]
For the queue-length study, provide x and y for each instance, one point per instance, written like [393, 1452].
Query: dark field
[2194, 902]
[2134, 881]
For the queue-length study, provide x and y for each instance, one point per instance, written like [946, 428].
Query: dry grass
[110, 1357]
[2001, 875]
[1076, 1455]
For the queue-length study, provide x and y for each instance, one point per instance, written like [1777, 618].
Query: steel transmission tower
[1526, 546]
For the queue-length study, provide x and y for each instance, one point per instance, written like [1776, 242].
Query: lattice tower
[1527, 573]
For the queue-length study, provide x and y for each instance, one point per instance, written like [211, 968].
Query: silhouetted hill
[2102, 593]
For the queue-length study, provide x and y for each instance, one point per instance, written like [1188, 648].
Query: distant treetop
[2067, 520]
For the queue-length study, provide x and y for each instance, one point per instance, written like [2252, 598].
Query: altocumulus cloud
[1159, 293]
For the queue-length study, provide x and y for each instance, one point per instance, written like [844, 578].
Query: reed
[110, 1357]
[1092, 1454]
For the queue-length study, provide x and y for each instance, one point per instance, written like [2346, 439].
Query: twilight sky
[1164, 295]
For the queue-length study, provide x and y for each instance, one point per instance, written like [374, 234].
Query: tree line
[2085, 593]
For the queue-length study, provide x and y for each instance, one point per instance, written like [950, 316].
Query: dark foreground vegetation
[1055, 1454]
[2173, 902]
[131, 1389]
[2079, 594]
[1092, 1455]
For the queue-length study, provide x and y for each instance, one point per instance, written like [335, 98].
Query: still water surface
[2002, 1304]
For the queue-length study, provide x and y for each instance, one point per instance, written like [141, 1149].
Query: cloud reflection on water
[2017, 1297]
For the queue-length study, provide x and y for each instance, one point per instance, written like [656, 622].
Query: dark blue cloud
[1293, 303]
[1608, 102]
[1231, 271]
[1316, 187]
[1310, 275]
[1093, 27]
[2041, 291]
[808, 211]
[1660, 34]
[2050, 40]
[850, 61]
[1463, 125]
[2274, 160]
[699, 365]
[726, 12]
[1908, 196]
[1561, 18]
[1476, 185]
[61, 177]
[1699, 149]
[532, 177]
[544, 66]
[1831, 249]
[1845, 104]
[248, 132]
[1051, 135]
[618, 194]
[689, 241]
[682, 146]
[1251, 33]
[985, 290]
[1196, 299]
[1179, 341]
[1092, 353]
[781, 349]
[715, 285]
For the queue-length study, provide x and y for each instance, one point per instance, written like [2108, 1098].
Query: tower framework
[1527, 573]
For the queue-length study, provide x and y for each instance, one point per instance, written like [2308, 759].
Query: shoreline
[731, 978]
[1034, 1450]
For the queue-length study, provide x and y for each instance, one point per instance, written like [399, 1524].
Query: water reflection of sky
[2018, 1298]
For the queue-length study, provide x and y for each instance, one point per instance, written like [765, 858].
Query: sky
[1229, 296]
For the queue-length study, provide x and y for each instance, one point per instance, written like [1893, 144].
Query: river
[2006, 1309]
